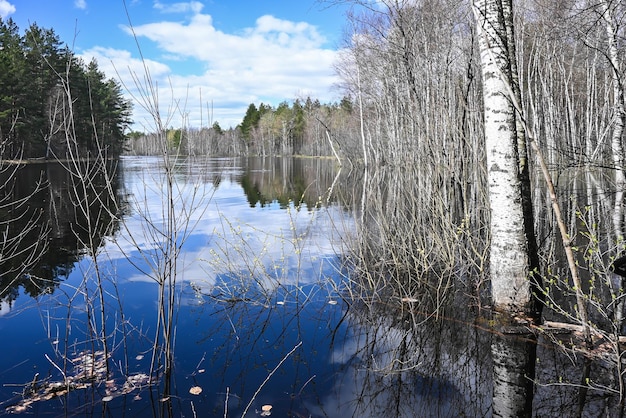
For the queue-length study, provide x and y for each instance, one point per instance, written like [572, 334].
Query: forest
[302, 127]
[412, 89]
[483, 150]
[430, 88]
[488, 137]
[51, 101]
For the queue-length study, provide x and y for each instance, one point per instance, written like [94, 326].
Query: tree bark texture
[509, 250]
[619, 118]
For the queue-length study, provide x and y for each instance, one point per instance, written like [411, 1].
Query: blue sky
[223, 54]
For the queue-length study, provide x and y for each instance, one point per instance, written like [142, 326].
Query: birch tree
[510, 261]
[619, 109]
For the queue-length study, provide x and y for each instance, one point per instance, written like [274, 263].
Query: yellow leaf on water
[196, 390]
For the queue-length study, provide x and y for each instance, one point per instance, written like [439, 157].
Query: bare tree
[510, 264]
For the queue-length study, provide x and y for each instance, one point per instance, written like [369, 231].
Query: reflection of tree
[24, 231]
[364, 359]
[407, 364]
[412, 364]
[43, 228]
[285, 180]
[423, 251]
[568, 384]
[252, 192]
[513, 373]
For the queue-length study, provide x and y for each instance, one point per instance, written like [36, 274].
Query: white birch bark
[617, 148]
[618, 88]
[509, 260]
[619, 118]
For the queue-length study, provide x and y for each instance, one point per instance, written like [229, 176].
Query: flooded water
[256, 314]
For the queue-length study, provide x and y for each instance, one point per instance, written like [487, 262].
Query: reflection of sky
[237, 343]
[288, 250]
[221, 232]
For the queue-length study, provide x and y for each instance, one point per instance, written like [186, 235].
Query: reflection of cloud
[381, 369]
[226, 237]
[80, 4]
[5, 308]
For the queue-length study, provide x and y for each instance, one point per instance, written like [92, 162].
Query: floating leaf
[280, 302]
[139, 357]
[107, 398]
[196, 390]
[332, 302]
[266, 410]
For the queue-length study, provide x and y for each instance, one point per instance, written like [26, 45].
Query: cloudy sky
[209, 58]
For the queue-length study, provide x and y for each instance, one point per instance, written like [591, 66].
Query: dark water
[265, 313]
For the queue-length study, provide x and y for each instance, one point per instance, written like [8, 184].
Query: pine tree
[12, 71]
[37, 115]
[250, 120]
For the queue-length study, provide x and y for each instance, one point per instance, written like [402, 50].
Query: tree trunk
[510, 263]
[619, 118]
[616, 147]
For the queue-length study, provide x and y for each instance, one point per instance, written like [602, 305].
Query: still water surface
[265, 313]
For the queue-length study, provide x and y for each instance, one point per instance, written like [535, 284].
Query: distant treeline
[52, 103]
[304, 127]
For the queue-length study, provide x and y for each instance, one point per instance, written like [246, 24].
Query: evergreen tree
[12, 72]
[37, 115]
[217, 128]
[41, 49]
[346, 104]
[250, 120]
[110, 112]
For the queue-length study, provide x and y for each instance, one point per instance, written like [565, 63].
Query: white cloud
[6, 8]
[121, 64]
[135, 76]
[80, 4]
[272, 61]
[192, 6]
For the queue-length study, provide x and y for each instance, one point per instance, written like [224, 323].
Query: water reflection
[44, 227]
[286, 180]
[514, 358]
[397, 362]
[267, 313]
